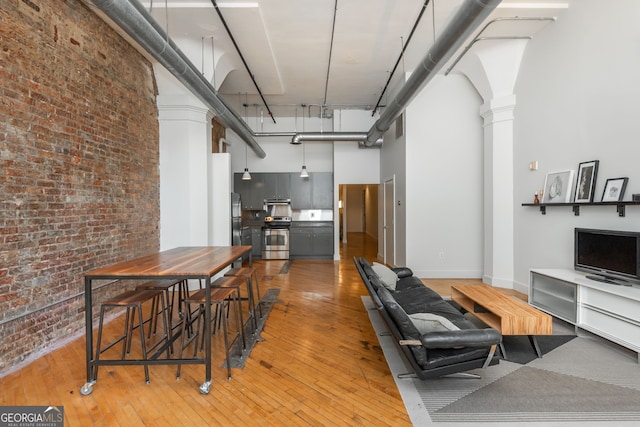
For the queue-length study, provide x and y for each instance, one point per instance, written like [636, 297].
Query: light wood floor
[319, 364]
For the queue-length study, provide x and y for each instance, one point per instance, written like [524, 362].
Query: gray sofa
[435, 337]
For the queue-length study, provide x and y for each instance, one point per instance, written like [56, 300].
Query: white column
[498, 191]
[185, 150]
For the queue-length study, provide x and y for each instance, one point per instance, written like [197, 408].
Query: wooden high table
[179, 264]
[507, 314]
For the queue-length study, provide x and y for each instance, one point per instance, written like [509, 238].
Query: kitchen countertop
[301, 224]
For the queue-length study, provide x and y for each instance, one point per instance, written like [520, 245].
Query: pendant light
[246, 176]
[303, 173]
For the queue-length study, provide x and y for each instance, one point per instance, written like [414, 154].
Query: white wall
[282, 156]
[577, 100]
[444, 190]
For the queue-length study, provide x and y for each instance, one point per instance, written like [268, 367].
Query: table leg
[87, 388]
[206, 386]
[502, 350]
[534, 344]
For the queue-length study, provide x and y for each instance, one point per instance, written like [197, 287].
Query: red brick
[78, 166]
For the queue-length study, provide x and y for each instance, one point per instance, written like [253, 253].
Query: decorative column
[498, 191]
[492, 68]
[185, 157]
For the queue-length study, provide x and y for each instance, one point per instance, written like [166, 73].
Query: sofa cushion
[386, 275]
[408, 283]
[429, 322]
[417, 299]
[403, 323]
[402, 272]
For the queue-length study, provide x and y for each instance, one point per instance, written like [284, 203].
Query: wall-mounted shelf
[620, 206]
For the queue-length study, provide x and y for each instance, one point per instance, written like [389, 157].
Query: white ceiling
[287, 44]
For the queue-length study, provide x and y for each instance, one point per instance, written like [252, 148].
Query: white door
[389, 241]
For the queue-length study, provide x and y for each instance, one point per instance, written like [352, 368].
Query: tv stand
[612, 312]
[605, 279]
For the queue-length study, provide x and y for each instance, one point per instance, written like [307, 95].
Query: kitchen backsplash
[312, 215]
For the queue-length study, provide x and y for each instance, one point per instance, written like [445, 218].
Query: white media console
[604, 309]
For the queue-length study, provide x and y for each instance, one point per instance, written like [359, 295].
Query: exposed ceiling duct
[469, 16]
[133, 18]
[331, 137]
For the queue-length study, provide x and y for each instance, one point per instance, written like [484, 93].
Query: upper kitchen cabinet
[322, 190]
[315, 192]
[300, 191]
[251, 191]
[277, 186]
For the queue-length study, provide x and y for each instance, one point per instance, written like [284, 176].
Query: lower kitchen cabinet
[311, 242]
[256, 242]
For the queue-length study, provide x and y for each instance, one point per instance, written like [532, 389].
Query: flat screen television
[610, 256]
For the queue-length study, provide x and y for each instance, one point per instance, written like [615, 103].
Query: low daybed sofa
[434, 336]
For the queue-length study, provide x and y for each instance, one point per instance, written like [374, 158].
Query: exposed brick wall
[79, 177]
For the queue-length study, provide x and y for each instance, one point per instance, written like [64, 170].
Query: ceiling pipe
[404, 48]
[331, 137]
[134, 19]
[468, 17]
[246, 66]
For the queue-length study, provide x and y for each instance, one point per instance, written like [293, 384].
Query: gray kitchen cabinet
[310, 242]
[246, 237]
[256, 242]
[323, 241]
[277, 185]
[300, 242]
[315, 192]
[322, 190]
[251, 191]
[300, 191]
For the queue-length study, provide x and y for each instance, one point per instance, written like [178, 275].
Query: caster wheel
[86, 389]
[205, 387]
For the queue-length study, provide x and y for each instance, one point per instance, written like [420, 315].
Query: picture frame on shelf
[557, 187]
[614, 189]
[586, 182]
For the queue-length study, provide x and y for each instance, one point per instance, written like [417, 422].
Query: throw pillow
[428, 322]
[386, 275]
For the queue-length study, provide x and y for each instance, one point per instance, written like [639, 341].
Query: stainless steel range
[276, 229]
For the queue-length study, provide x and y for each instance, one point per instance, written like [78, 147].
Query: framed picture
[586, 184]
[557, 187]
[614, 189]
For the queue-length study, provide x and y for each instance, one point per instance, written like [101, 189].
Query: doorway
[388, 223]
[358, 210]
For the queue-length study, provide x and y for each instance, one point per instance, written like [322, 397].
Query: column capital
[182, 108]
[498, 109]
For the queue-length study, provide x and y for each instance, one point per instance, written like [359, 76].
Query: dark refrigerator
[236, 220]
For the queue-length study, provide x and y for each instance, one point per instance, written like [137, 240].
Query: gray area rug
[237, 356]
[584, 381]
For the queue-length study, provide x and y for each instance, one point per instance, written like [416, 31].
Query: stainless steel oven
[276, 243]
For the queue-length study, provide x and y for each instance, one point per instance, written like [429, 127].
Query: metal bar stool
[219, 297]
[236, 283]
[168, 286]
[132, 301]
[250, 274]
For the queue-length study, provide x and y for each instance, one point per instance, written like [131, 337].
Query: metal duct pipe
[330, 137]
[133, 18]
[469, 16]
